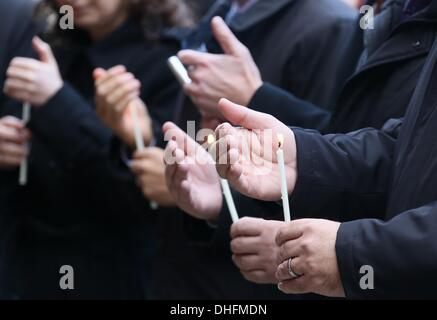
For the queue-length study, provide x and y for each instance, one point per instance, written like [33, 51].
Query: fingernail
[280, 285]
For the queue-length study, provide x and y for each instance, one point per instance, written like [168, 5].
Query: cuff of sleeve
[349, 271]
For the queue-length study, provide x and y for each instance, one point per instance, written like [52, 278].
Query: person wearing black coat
[16, 34]
[382, 85]
[377, 183]
[76, 209]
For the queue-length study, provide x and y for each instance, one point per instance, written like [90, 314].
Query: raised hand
[232, 75]
[246, 156]
[191, 175]
[33, 81]
[117, 96]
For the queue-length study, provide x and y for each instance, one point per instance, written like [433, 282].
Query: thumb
[227, 40]
[245, 117]
[98, 73]
[43, 50]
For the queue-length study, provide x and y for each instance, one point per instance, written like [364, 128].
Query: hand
[117, 96]
[33, 81]
[255, 249]
[233, 75]
[191, 175]
[148, 167]
[311, 244]
[13, 142]
[247, 156]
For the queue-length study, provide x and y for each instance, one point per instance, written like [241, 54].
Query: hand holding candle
[256, 173]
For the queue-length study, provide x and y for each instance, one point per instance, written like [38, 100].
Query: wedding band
[293, 274]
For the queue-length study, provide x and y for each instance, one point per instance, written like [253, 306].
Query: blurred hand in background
[13, 142]
[232, 75]
[33, 81]
[148, 167]
[117, 94]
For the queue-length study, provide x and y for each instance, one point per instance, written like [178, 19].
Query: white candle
[282, 171]
[229, 200]
[137, 129]
[226, 191]
[179, 70]
[22, 179]
[140, 142]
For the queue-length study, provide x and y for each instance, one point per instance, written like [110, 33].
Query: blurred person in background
[76, 209]
[16, 35]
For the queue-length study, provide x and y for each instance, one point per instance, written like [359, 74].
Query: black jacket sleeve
[290, 109]
[402, 253]
[345, 176]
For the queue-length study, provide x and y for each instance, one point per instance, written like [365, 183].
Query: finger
[109, 74]
[44, 51]
[22, 74]
[125, 88]
[14, 150]
[257, 276]
[18, 94]
[245, 245]
[289, 249]
[248, 262]
[227, 40]
[245, 117]
[12, 122]
[98, 73]
[295, 286]
[113, 82]
[137, 167]
[13, 135]
[14, 85]
[247, 227]
[27, 64]
[125, 101]
[283, 273]
[290, 231]
[193, 58]
[10, 161]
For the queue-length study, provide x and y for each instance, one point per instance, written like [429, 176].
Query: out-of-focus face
[92, 14]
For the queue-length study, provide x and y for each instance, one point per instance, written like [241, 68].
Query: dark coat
[192, 260]
[382, 86]
[388, 177]
[77, 208]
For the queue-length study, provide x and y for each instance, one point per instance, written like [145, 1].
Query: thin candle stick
[22, 178]
[226, 191]
[139, 141]
[283, 173]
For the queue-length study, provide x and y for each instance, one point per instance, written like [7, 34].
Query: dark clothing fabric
[388, 176]
[290, 53]
[77, 208]
[382, 86]
[16, 34]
